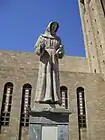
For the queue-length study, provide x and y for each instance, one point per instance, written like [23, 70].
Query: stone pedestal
[48, 122]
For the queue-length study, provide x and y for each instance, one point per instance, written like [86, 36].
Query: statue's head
[52, 27]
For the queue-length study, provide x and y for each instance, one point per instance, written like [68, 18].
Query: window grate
[64, 97]
[26, 101]
[6, 104]
[81, 108]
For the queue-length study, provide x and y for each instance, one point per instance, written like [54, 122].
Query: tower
[92, 13]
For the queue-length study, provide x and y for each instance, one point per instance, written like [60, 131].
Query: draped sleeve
[39, 46]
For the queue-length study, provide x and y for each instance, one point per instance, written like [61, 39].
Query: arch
[81, 107]
[80, 89]
[8, 84]
[63, 88]
[64, 96]
[27, 85]
[6, 104]
[26, 102]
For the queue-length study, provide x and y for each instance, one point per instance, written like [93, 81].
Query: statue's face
[53, 28]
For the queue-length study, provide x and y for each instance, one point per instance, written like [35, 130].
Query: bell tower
[92, 13]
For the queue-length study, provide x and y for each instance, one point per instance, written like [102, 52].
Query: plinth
[48, 122]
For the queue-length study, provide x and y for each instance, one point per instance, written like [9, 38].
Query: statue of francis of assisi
[49, 49]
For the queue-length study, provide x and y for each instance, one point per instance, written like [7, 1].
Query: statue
[49, 49]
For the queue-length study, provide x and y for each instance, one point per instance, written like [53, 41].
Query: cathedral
[82, 83]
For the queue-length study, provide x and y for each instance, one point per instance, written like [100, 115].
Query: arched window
[81, 108]
[64, 96]
[26, 101]
[6, 104]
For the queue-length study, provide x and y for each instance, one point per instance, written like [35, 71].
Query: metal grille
[81, 108]
[6, 104]
[26, 99]
[64, 97]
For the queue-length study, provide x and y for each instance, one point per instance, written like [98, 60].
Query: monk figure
[50, 49]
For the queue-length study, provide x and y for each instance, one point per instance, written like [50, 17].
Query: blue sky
[22, 21]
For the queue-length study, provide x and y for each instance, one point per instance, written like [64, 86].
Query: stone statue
[49, 49]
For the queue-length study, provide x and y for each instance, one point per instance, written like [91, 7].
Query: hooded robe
[48, 83]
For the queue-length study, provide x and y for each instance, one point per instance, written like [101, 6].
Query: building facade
[82, 82]
[92, 13]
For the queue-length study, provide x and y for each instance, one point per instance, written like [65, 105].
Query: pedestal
[48, 122]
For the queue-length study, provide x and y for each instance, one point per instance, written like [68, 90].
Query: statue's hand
[60, 51]
[62, 47]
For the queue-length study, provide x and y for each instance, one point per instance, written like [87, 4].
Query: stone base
[47, 120]
[49, 108]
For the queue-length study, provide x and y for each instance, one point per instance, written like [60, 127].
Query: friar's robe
[48, 83]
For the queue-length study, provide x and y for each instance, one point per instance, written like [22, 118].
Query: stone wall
[21, 68]
[26, 60]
